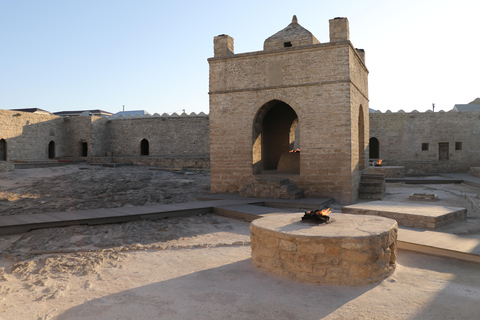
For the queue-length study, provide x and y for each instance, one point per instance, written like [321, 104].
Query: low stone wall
[423, 197]
[176, 163]
[6, 166]
[474, 171]
[410, 215]
[414, 167]
[388, 171]
[351, 250]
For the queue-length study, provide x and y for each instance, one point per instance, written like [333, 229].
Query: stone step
[272, 181]
[368, 177]
[292, 194]
[372, 186]
[275, 188]
[371, 196]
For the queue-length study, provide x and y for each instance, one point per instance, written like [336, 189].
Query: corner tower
[297, 93]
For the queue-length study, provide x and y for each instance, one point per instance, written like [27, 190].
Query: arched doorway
[3, 150]
[144, 147]
[51, 150]
[274, 135]
[83, 148]
[374, 152]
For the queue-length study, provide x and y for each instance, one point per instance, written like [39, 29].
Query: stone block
[287, 245]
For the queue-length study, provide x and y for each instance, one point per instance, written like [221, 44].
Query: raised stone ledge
[474, 171]
[351, 250]
[388, 171]
[410, 215]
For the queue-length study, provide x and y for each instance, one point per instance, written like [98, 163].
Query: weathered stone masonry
[173, 141]
[323, 85]
[414, 140]
[27, 135]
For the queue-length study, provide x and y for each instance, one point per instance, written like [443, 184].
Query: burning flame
[293, 151]
[379, 162]
[323, 212]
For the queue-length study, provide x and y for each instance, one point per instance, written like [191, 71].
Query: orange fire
[379, 162]
[323, 212]
[293, 151]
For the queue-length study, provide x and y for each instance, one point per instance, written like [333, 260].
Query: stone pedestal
[351, 250]
[388, 171]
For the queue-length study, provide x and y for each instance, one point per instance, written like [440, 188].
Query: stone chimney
[361, 53]
[339, 30]
[222, 45]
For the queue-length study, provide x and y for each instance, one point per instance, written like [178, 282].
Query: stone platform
[388, 171]
[350, 250]
[412, 215]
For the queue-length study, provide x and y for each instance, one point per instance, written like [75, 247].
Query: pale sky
[152, 54]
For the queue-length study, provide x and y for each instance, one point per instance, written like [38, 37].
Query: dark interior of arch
[84, 148]
[3, 150]
[276, 126]
[144, 147]
[51, 150]
[374, 148]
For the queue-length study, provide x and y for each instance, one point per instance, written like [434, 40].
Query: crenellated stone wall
[27, 135]
[168, 136]
[413, 140]
[175, 141]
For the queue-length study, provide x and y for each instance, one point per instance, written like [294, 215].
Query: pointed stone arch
[274, 128]
[51, 150]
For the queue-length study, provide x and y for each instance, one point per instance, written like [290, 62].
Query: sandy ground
[197, 267]
[81, 187]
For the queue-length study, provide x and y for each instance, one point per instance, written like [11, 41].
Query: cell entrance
[275, 135]
[51, 150]
[374, 152]
[443, 151]
[3, 150]
[84, 148]
[144, 147]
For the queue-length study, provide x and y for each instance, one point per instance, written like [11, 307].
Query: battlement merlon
[223, 45]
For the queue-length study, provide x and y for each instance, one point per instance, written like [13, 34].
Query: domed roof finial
[294, 19]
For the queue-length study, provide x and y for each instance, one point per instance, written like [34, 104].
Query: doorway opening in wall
[374, 151]
[443, 151]
[83, 148]
[3, 150]
[276, 140]
[144, 147]
[51, 150]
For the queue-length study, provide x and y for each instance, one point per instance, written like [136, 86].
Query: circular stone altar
[351, 249]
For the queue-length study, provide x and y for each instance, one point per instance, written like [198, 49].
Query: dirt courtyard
[195, 267]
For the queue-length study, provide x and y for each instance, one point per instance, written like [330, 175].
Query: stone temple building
[297, 93]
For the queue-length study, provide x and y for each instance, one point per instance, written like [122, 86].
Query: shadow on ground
[233, 291]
